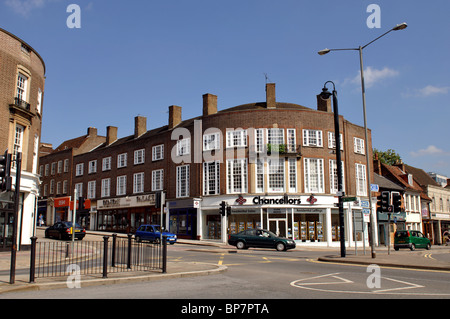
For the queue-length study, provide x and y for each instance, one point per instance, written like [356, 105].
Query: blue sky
[138, 57]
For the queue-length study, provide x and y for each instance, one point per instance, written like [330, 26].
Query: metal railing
[55, 258]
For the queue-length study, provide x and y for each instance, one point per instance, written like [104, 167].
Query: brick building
[229, 155]
[22, 81]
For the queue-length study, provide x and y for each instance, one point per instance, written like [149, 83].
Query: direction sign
[348, 199]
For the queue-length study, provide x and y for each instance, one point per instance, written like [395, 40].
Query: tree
[389, 157]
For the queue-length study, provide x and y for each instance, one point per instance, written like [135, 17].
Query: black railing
[22, 104]
[56, 258]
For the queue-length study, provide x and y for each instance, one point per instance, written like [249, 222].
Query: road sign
[348, 199]
[374, 188]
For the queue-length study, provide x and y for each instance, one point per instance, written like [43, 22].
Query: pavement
[419, 259]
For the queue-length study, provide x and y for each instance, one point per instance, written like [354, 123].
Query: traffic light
[228, 210]
[5, 173]
[223, 208]
[385, 196]
[379, 200]
[158, 200]
[397, 202]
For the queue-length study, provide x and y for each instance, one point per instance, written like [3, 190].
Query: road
[266, 275]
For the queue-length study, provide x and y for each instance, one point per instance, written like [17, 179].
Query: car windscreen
[69, 224]
[400, 234]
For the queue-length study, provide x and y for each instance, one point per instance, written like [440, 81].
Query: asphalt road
[259, 274]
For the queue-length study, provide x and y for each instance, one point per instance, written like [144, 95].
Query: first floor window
[211, 179]
[138, 183]
[237, 176]
[157, 180]
[79, 188]
[276, 175]
[91, 189]
[334, 177]
[292, 166]
[361, 182]
[18, 142]
[121, 185]
[106, 187]
[314, 175]
[183, 181]
[259, 176]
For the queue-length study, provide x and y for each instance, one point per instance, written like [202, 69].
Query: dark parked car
[260, 238]
[153, 233]
[63, 230]
[411, 239]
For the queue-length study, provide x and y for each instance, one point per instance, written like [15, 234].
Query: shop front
[183, 219]
[388, 225]
[310, 220]
[126, 214]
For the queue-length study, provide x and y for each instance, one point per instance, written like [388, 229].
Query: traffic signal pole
[12, 273]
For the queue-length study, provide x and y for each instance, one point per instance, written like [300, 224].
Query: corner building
[273, 163]
[22, 81]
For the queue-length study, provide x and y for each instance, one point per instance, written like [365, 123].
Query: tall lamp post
[398, 27]
[326, 95]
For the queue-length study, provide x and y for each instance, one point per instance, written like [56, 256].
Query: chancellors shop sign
[285, 200]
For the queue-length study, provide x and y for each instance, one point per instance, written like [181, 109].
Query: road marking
[221, 259]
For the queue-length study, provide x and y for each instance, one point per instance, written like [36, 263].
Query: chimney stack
[324, 104]
[111, 135]
[140, 126]
[174, 116]
[270, 96]
[209, 104]
[92, 132]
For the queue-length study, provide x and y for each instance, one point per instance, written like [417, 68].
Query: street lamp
[326, 95]
[398, 27]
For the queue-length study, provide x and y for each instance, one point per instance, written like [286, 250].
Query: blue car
[152, 233]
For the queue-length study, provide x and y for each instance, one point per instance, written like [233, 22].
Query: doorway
[278, 226]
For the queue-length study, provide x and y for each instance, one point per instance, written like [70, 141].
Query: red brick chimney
[174, 116]
[209, 104]
[140, 126]
[111, 135]
[271, 102]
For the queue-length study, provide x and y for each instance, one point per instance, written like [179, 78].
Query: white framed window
[292, 167]
[58, 188]
[139, 156]
[91, 189]
[334, 177]
[122, 160]
[60, 167]
[211, 141]
[52, 187]
[291, 140]
[22, 86]
[182, 181]
[79, 169]
[361, 181]
[276, 175]
[275, 136]
[18, 143]
[138, 183]
[79, 188]
[53, 171]
[39, 101]
[260, 177]
[65, 187]
[158, 180]
[358, 144]
[314, 179]
[106, 164]
[158, 152]
[66, 165]
[92, 167]
[312, 138]
[121, 188]
[236, 176]
[237, 138]
[184, 146]
[41, 170]
[211, 178]
[259, 140]
[106, 187]
[47, 169]
[332, 140]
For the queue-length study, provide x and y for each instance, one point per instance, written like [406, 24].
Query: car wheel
[428, 246]
[281, 247]
[240, 245]
[47, 235]
[413, 247]
[396, 248]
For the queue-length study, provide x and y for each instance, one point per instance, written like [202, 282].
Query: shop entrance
[278, 226]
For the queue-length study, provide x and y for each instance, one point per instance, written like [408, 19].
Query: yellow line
[221, 260]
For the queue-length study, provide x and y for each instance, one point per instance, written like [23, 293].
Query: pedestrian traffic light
[228, 210]
[397, 202]
[223, 208]
[385, 196]
[5, 173]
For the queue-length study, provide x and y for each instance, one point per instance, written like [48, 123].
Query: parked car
[63, 230]
[411, 239]
[152, 233]
[260, 238]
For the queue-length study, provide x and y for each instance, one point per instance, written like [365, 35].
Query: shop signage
[62, 202]
[285, 200]
[131, 201]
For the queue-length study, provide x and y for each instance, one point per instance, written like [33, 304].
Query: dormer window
[410, 180]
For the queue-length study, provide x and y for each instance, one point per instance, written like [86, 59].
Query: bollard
[105, 256]
[33, 259]
[113, 253]
[129, 251]
[164, 246]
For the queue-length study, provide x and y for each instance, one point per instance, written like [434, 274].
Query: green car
[411, 239]
[260, 238]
